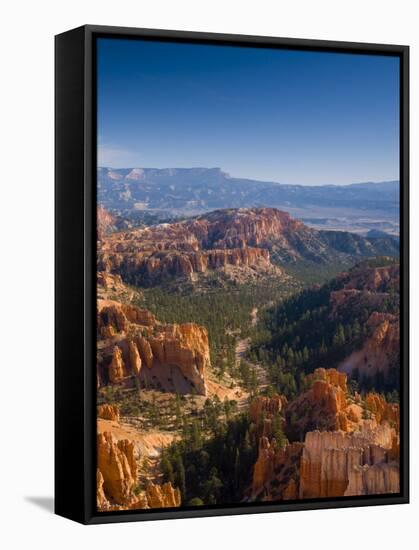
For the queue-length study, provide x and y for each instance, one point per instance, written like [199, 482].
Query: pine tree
[356, 330]
[196, 436]
[167, 469]
[180, 476]
[339, 337]
[290, 357]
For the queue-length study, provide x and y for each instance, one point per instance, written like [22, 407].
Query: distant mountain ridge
[194, 190]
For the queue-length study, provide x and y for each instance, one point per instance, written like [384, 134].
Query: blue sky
[280, 115]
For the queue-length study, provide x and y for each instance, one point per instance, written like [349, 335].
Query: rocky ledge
[132, 343]
[117, 479]
[342, 444]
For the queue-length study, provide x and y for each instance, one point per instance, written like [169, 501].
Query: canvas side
[69, 274]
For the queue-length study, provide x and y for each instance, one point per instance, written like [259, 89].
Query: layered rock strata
[239, 242]
[324, 406]
[263, 412]
[108, 412]
[371, 289]
[228, 240]
[276, 471]
[334, 464]
[116, 479]
[162, 496]
[350, 444]
[117, 466]
[380, 350]
[134, 344]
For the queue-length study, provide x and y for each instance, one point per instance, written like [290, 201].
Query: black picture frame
[75, 272]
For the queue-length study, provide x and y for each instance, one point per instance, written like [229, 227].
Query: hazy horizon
[284, 116]
[233, 176]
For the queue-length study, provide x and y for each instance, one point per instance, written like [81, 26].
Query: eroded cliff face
[276, 471]
[265, 411]
[162, 496]
[266, 406]
[132, 343]
[330, 460]
[105, 222]
[240, 242]
[153, 266]
[117, 477]
[116, 317]
[108, 281]
[383, 411]
[373, 479]
[372, 289]
[380, 350]
[374, 279]
[323, 406]
[108, 412]
[118, 467]
[236, 242]
[102, 502]
[349, 444]
[188, 249]
[365, 286]
[243, 227]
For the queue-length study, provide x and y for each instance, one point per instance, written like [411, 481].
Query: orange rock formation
[331, 459]
[163, 496]
[108, 412]
[371, 288]
[105, 222]
[117, 472]
[101, 501]
[217, 241]
[265, 406]
[379, 350]
[117, 465]
[176, 357]
[377, 479]
[263, 410]
[323, 406]
[275, 473]
[343, 452]
[382, 410]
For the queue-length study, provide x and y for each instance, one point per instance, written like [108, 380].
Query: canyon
[371, 288]
[171, 403]
[341, 452]
[244, 244]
